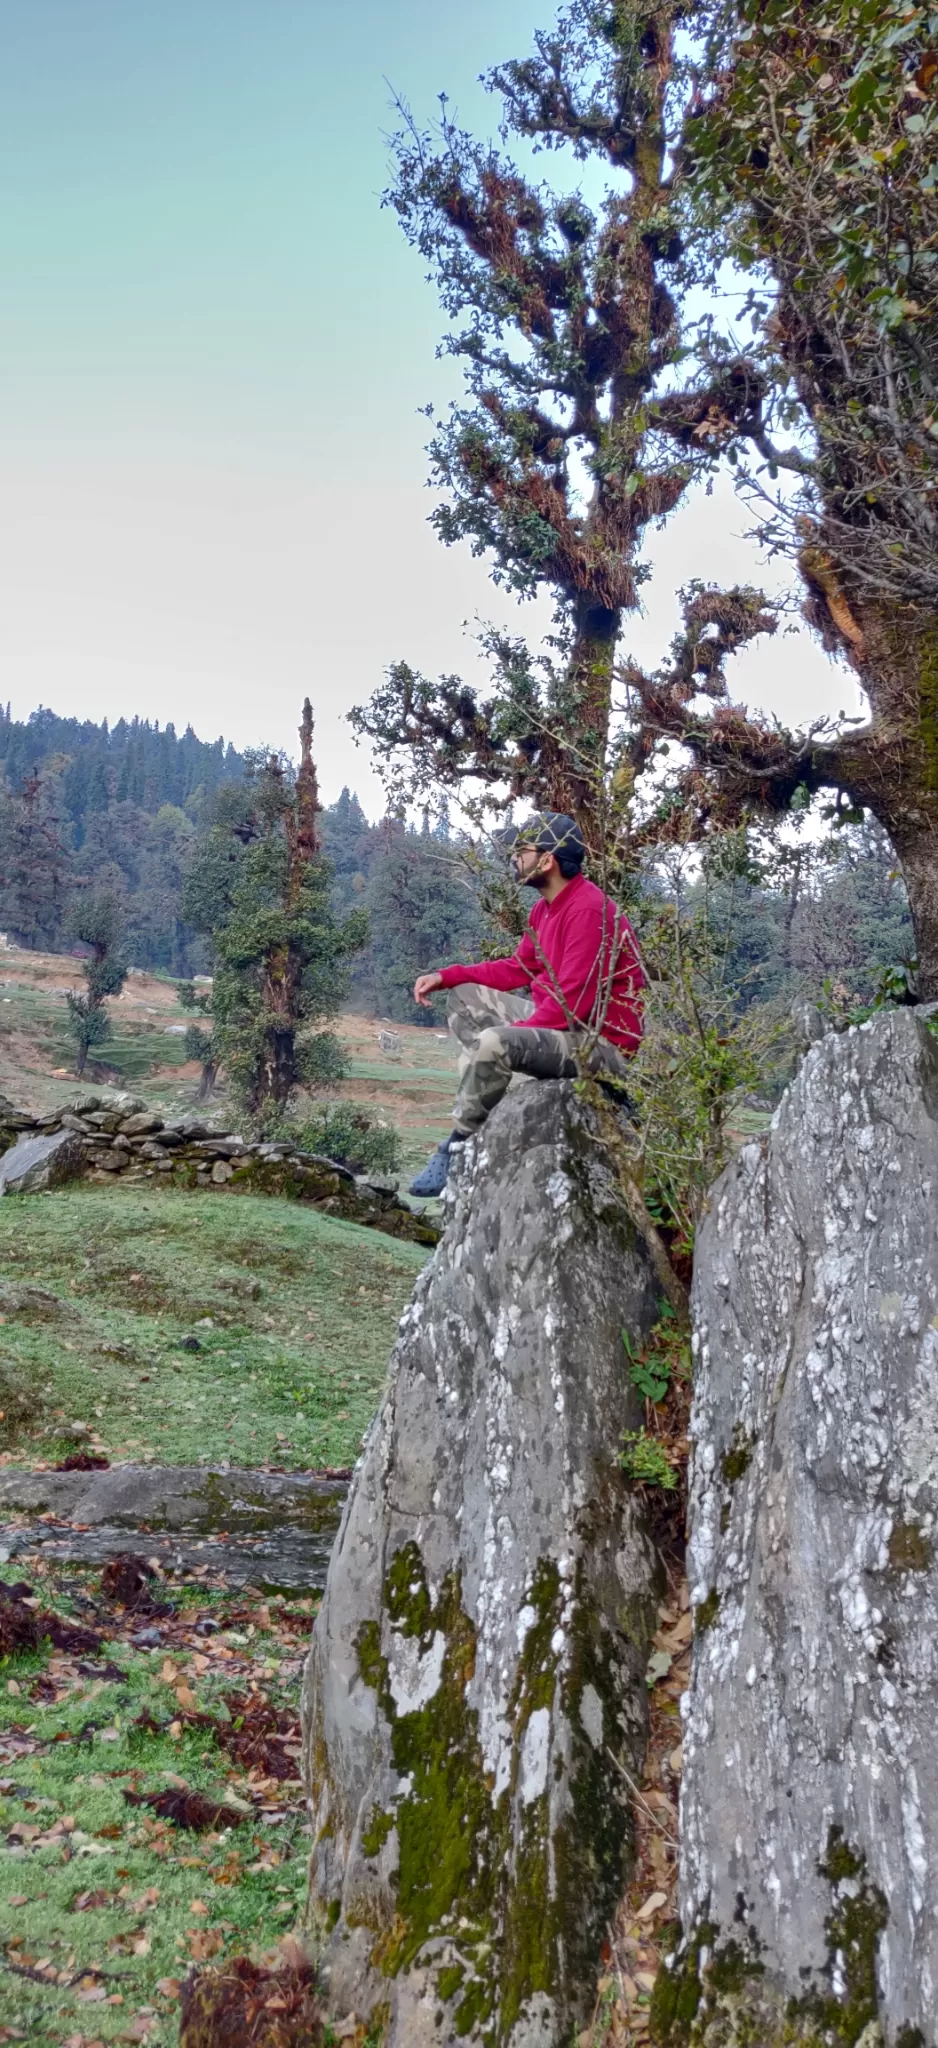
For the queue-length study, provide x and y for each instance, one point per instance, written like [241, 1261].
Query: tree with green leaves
[199, 1042]
[809, 160]
[35, 857]
[96, 921]
[576, 434]
[260, 886]
[798, 140]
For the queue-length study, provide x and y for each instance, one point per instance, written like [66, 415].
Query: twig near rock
[639, 1796]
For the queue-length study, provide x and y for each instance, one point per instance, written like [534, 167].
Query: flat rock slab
[273, 1529]
[290, 1561]
[192, 1497]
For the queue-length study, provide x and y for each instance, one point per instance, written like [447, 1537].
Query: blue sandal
[433, 1179]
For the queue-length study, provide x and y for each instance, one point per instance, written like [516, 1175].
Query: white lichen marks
[488, 1611]
[814, 1695]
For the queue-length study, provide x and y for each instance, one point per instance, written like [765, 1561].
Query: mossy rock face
[714, 1990]
[477, 1675]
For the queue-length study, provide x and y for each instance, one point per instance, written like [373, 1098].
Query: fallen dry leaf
[204, 1942]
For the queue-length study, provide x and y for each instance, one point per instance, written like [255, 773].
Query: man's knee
[491, 1045]
[543, 1055]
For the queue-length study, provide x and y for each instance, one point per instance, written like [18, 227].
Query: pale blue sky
[213, 347]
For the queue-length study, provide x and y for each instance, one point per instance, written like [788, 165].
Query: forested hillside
[123, 809]
[116, 808]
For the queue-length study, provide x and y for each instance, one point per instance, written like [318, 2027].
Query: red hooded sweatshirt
[566, 944]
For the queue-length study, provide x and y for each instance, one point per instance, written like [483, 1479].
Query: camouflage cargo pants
[493, 1051]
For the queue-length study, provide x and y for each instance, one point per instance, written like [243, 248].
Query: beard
[535, 881]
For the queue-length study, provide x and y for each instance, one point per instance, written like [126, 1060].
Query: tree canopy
[795, 141]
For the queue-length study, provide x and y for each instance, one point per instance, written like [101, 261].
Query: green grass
[68, 1750]
[399, 1076]
[130, 1054]
[295, 1315]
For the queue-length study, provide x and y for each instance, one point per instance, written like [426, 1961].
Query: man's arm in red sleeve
[516, 972]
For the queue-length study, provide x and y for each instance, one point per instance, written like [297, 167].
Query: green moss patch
[910, 1550]
[738, 1458]
[479, 1875]
[706, 1611]
[712, 1982]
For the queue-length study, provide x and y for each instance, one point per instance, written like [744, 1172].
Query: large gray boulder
[33, 1164]
[810, 1791]
[475, 1692]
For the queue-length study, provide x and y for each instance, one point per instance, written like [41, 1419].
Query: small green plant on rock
[664, 1359]
[650, 1376]
[646, 1461]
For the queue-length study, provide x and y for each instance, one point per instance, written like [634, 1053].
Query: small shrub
[664, 1361]
[651, 1376]
[349, 1135]
[646, 1461]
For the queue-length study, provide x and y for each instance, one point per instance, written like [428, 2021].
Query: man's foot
[433, 1179]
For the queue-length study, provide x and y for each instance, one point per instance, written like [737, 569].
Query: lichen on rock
[809, 1814]
[476, 1680]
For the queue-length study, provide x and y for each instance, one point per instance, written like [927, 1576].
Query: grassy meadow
[293, 1314]
[181, 1328]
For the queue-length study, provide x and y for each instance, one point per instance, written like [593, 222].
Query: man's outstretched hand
[424, 987]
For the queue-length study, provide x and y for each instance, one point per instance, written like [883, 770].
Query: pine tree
[261, 886]
[34, 859]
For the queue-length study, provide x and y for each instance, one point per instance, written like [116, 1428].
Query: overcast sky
[213, 347]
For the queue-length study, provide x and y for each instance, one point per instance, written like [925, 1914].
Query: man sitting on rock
[580, 967]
